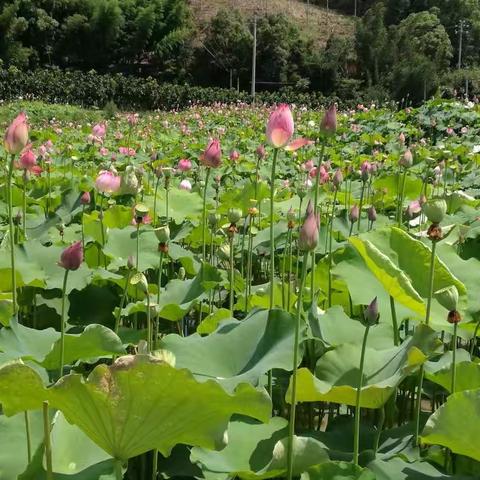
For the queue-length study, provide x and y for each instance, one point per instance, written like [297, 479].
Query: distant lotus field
[240, 291]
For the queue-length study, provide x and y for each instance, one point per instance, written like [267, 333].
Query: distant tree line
[401, 48]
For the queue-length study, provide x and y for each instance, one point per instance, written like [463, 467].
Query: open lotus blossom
[16, 136]
[72, 257]
[99, 130]
[185, 185]
[184, 165]
[212, 156]
[129, 151]
[107, 182]
[280, 126]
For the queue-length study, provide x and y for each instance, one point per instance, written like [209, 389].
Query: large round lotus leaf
[337, 371]
[456, 424]
[467, 372]
[137, 404]
[393, 279]
[13, 442]
[241, 353]
[337, 471]
[43, 346]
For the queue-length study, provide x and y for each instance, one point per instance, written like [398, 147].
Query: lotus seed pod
[140, 280]
[234, 215]
[448, 297]
[213, 219]
[435, 210]
[141, 210]
[182, 273]
[163, 234]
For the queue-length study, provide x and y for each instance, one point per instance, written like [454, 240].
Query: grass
[316, 22]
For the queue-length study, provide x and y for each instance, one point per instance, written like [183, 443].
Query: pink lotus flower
[103, 151]
[365, 170]
[337, 178]
[308, 165]
[16, 136]
[308, 237]
[414, 208]
[261, 152]
[185, 185]
[450, 131]
[298, 143]
[354, 214]
[184, 165]
[99, 130]
[286, 183]
[107, 182]
[85, 198]
[323, 176]
[127, 151]
[27, 159]
[212, 156]
[280, 126]
[132, 119]
[72, 257]
[328, 125]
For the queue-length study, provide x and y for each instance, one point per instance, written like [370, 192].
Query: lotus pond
[221, 293]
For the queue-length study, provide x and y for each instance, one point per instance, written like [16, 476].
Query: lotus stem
[454, 355]
[330, 259]
[272, 238]
[12, 236]
[356, 433]
[204, 215]
[293, 400]
[46, 441]
[149, 324]
[28, 436]
[24, 206]
[402, 197]
[62, 326]
[155, 201]
[396, 333]
[118, 469]
[159, 287]
[360, 207]
[474, 339]
[232, 273]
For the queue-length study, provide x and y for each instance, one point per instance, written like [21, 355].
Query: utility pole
[354, 8]
[254, 55]
[460, 45]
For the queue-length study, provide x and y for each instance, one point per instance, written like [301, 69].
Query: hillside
[316, 22]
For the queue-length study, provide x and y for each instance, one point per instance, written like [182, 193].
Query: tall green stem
[27, 433]
[149, 324]
[159, 288]
[122, 302]
[293, 400]
[474, 339]
[62, 326]
[402, 197]
[11, 233]
[204, 214]
[356, 433]
[155, 201]
[118, 470]
[272, 237]
[360, 207]
[232, 273]
[24, 206]
[454, 355]
[46, 441]
[330, 259]
[103, 231]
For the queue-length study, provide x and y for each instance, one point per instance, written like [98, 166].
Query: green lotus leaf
[337, 371]
[456, 424]
[239, 352]
[337, 471]
[137, 404]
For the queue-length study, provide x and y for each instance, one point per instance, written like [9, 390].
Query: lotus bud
[182, 273]
[212, 156]
[328, 125]
[185, 185]
[337, 179]
[435, 210]
[140, 280]
[27, 159]
[308, 238]
[291, 215]
[261, 152]
[184, 165]
[163, 234]
[85, 198]
[280, 126]
[448, 297]
[16, 136]
[131, 262]
[372, 214]
[365, 170]
[234, 215]
[72, 257]
[371, 314]
[406, 160]
[401, 138]
[354, 214]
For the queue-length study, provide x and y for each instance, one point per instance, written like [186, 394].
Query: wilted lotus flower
[308, 238]
[107, 182]
[185, 185]
[354, 214]
[212, 156]
[16, 136]
[280, 126]
[328, 126]
[371, 314]
[72, 257]
[27, 159]
[85, 198]
[184, 165]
